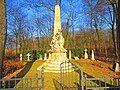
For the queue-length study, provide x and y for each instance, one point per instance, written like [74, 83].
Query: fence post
[82, 80]
[37, 81]
[42, 78]
[3, 82]
[61, 76]
[15, 80]
[105, 80]
[85, 82]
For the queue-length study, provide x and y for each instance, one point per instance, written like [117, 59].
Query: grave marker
[40, 57]
[20, 57]
[93, 58]
[85, 55]
[45, 56]
[116, 67]
[28, 57]
[69, 54]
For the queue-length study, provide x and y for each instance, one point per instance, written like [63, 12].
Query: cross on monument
[28, 55]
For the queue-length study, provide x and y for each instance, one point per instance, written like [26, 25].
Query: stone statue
[57, 43]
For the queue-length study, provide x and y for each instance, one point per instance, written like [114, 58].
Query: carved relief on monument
[57, 43]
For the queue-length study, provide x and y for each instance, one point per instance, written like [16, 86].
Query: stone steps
[58, 65]
[57, 70]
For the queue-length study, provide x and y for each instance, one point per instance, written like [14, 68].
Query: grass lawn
[97, 68]
[48, 77]
[51, 80]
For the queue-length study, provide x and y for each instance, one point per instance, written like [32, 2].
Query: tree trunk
[113, 35]
[118, 29]
[2, 34]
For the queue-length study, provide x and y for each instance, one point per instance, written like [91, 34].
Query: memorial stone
[69, 54]
[45, 56]
[85, 55]
[20, 57]
[116, 67]
[93, 58]
[28, 57]
[40, 57]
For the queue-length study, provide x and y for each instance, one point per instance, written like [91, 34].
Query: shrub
[40, 52]
[77, 52]
[34, 54]
[11, 66]
[26, 52]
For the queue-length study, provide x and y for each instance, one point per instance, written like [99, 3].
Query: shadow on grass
[98, 82]
[102, 83]
[25, 70]
[57, 85]
[12, 83]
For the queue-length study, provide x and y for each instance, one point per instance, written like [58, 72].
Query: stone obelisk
[57, 21]
[57, 53]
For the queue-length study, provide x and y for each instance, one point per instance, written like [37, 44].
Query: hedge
[34, 54]
[77, 52]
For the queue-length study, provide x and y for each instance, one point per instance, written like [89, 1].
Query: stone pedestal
[54, 61]
[57, 57]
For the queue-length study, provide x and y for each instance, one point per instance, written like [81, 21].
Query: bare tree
[2, 34]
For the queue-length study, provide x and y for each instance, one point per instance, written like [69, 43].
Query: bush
[11, 66]
[77, 52]
[40, 52]
[34, 54]
[26, 52]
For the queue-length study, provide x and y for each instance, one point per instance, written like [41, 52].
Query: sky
[29, 10]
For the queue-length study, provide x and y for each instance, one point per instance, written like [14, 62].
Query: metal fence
[71, 76]
[102, 83]
[36, 83]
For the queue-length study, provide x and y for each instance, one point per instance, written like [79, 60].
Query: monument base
[54, 61]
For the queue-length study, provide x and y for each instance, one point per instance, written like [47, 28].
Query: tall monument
[56, 45]
[57, 53]
[57, 21]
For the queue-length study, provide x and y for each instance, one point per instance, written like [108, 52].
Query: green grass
[87, 69]
[52, 80]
